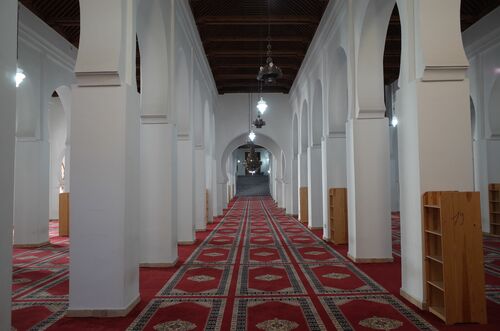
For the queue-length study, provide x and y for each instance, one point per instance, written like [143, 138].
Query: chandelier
[269, 72]
[252, 161]
[259, 122]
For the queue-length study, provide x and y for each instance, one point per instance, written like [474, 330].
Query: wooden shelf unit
[494, 202]
[303, 213]
[338, 215]
[64, 214]
[453, 250]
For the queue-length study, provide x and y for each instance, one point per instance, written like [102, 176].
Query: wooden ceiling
[234, 35]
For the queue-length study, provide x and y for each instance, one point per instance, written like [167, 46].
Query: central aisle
[262, 270]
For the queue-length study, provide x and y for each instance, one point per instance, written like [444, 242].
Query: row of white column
[434, 140]
[138, 184]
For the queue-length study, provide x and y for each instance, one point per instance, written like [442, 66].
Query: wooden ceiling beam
[257, 20]
[253, 54]
[219, 67]
[249, 77]
[236, 39]
[64, 21]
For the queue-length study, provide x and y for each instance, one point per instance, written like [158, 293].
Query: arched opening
[338, 112]
[57, 142]
[251, 180]
[228, 163]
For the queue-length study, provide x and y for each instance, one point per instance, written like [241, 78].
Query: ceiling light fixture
[269, 72]
[20, 76]
[394, 121]
[262, 106]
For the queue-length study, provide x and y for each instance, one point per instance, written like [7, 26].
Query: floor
[254, 269]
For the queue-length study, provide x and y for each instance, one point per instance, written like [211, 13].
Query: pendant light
[269, 72]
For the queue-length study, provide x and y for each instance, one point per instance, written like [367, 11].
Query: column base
[103, 312]
[31, 245]
[412, 300]
[200, 230]
[370, 260]
[159, 265]
[315, 227]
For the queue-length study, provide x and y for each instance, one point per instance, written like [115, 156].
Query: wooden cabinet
[338, 215]
[303, 212]
[454, 274]
[494, 201]
[64, 214]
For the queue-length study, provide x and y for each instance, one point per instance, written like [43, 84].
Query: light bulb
[262, 105]
[251, 135]
[20, 76]
[394, 121]
[239, 161]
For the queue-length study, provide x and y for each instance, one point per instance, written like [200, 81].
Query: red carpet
[255, 269]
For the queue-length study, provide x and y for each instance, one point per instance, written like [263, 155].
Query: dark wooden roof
[234, 35]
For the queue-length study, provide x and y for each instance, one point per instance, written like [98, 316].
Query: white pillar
[368, 190]
[334, 173]
[8, 40]
[185, 190]
[105, 205]
[31, 199]
[158, 230]
[221, 197]
[302, 179]
[294, 187]
[314, 193]
[434, 131]
[199, 190]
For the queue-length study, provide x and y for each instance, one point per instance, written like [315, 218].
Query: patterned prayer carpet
[253, 269]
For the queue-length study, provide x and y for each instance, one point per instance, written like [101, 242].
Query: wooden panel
[303, 212]
[338, 215]
[454, 256]
[494, 202]
[64, 214]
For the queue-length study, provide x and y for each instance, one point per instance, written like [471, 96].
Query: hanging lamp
[269, 72]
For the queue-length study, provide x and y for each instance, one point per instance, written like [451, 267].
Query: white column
[199, 190]
[314, 193]
[105, 202]
[434, 131]
[158, 230]
[221, 197]
[8, 40]
[302, 178]
[185, 190]
[294, 187]
[31, 199]
[368, 190]
[334, 173]
[279, 192]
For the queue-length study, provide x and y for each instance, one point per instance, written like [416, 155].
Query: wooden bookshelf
[454, 272]
[64, 214]
[338, 215]
[303, 216]
[494, 201]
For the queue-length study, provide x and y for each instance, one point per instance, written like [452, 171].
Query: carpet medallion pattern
[253, 269]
